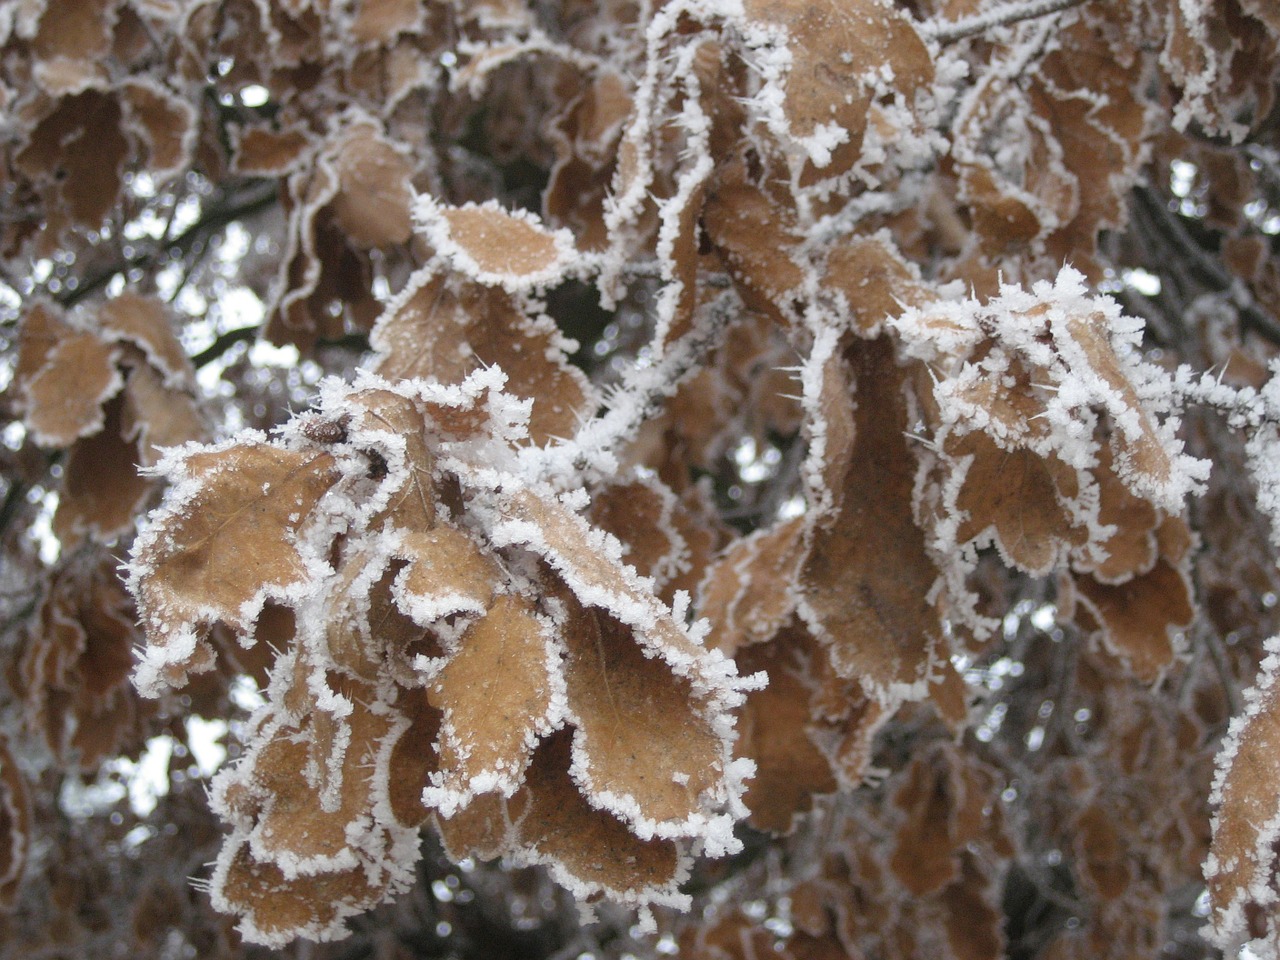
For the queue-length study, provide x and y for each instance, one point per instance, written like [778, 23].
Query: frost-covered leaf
[496, 247]
[64, 398]
[750, 593]
[445, 327]
[497, 695]
[374, 196]
[839, 53]
[867, 577]
[1242, 866]
[222, 545]
[775, 727]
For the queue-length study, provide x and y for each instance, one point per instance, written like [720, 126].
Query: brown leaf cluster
[752, 461]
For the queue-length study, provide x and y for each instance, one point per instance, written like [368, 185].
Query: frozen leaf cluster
[454, 643]
[807, 464]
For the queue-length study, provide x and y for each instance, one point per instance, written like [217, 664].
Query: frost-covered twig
[950, 31]
[640, 395]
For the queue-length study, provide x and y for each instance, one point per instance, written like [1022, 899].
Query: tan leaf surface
[445, 328]
[755, 237]
[219, 553]
[379, 21]
[501, 244]
[641, 730]
[496, 696]
[835, 45]
[374, 193]
[773, 727]
[582, 843]
[64, 398]
[640, 514]
[1242, 867]
[578, 555]
[167, 123]
[447, 573]
[867, 576]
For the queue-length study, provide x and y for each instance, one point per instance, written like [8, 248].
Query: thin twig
[262, 195]
[945, 31]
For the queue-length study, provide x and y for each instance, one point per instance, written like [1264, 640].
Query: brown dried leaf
[448, 573]
[15, 826]
[1013, 496]
[1140, 616]
[875, 281]
[641, 731]
[227, 546]
[64, 399]
[445, 328]
[145, 323]
[166, 122]
[413, 759]
[374, 193]
[496, 697]
[102, 491]
[640, 514]
[867, 576]
[773, 731]
[260, 152]
[1242, 866]
[380, 21]
[836, 47]
[80, 148]
[582, 844]
[276, 908]
[755, 237]
[495, 246]
[155, 416]
[750, 593]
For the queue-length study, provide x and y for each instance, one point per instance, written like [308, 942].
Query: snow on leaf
[222, 544]
[838, 51]
[1242, 866]
[444, 327]
[496, 247]
[496, 695]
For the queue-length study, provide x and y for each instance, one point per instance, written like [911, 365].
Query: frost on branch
[465, 645]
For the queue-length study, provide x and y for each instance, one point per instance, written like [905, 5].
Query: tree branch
[946, 32]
